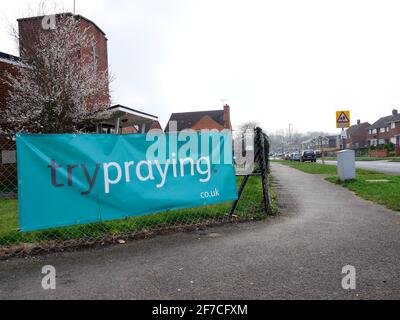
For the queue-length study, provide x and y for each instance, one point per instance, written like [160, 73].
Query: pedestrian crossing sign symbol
[343, 119]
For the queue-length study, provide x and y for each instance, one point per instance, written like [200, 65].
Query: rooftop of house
[357, 126]
[132, 111]
[187, 120]
[332, 137]
[8, 58]
[385, 121]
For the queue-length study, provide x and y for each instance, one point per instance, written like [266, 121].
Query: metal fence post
[260, 159]
[263, 169]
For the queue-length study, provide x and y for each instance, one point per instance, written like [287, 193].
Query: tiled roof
[382, 122]
[187, 120]
[354, 128]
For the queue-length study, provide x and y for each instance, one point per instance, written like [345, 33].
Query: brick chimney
[395, 112]
[227, 117]
[358, 122]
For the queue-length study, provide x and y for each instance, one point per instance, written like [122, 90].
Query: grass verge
[391, 159]
[380, 188]
[312, 168]
[250, 208]
[374, 186]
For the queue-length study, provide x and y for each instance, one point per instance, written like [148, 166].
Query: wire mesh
[12, 241]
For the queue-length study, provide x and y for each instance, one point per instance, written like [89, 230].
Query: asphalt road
[380, 166]
[299, 255]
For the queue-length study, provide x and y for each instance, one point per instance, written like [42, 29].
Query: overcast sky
[277, 62]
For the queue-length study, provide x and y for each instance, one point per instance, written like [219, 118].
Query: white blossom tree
[60, 89]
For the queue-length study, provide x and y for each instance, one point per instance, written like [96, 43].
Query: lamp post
[321, 140]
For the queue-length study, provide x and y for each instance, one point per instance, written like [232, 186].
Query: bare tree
[250, 125]
[59, 88]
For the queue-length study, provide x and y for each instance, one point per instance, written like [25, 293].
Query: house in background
[395, 130]
[357, 136]
[385, 130]
[326, 143]
[201, 120]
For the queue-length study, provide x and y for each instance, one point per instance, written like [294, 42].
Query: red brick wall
[30, 28]
[385, 136]
[359, 136]
[227, 117]
[101, 51]
[396, 131]
[378, 153]
[207, 123]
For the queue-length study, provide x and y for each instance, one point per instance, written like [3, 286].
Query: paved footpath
[299, 255]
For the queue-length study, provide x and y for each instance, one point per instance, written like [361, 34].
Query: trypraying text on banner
[66, 180]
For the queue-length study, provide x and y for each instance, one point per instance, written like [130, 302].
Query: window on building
[375, 131]
[382, 130]
[393, 125]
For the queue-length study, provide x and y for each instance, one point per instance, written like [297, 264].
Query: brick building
[357, 136]
[8, 168]
[201, 120]
[8, 64]
[385, 130]
[30, 29]
[122, 119]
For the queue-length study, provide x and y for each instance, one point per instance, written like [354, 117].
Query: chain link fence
[8, 168]
[15, 243]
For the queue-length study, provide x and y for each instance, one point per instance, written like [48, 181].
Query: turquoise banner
[65, 180]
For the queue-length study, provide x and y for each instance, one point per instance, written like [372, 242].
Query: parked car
[308, 156]
[295, 157]
[318, 154]
[286, 156]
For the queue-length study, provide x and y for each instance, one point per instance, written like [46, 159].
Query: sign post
[343, 121]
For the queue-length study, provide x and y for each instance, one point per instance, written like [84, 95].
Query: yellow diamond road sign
[343, 119]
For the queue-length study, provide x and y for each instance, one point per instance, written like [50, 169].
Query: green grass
[312, 168]
[250, 207]
[392, 159]
[330, 158]
[384, 193]
[8, 215]
[368, 184]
